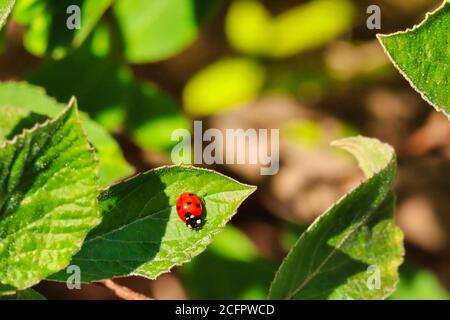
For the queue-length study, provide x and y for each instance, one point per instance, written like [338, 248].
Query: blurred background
[310, 68]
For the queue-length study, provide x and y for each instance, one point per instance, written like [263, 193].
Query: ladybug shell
[189, 205]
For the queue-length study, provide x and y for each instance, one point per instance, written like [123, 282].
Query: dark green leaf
[27, 294]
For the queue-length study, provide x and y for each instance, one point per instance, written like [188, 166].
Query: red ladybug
[190, 210]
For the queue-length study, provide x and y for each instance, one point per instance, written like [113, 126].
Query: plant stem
[124, 292]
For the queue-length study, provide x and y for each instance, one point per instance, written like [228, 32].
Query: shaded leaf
[7, 290]
[27, 294]
[104, 100]
[421, 54]
[337, 255]
[141, 233]
[34, 106]
[48, 199]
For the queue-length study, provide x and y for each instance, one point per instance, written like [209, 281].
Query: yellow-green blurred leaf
[249, 27]
[223, 85]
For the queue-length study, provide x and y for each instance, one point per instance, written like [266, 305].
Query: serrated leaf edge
[72, 104]
[6, 13]
[380, 37]
[214, 233]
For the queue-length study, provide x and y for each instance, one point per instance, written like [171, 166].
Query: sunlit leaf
[23, 105]
[5, 9]
[153, 30]
[422, 55]
[354, 242]
[48, 199]
[251, 29]
[222, 86]
[141, 233]
[310, 26]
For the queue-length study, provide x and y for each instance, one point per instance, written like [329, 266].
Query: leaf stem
[123, 292]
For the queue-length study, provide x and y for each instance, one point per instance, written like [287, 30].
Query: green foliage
[45, 22]
[118, 101]
[418, 284]
[229, 269]
[152, 117]
[34, 106]
[153, 30]
[101, 91]
[222, 86]
[331, 258]
[141, 233]
[5, 9]
[48, 199]
[421, 55]
[27, 294]
[91, 12]
[251, 28]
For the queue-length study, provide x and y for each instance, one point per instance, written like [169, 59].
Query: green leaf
[6, 290]
[233, 256]
[45, 22]
[418, 284]
[5, 9]
[27, 294]
[91, 13]
[251, 29]
[141, 233]
[103, 100]
[223, 85]
[331, 259]
[421, 54]
[154, 30]
[35, 104]
[152, 117]
[48, 199]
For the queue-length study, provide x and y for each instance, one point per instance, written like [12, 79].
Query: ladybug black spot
[191, 194]
[178, 208]
[189, 203]
[197, 205]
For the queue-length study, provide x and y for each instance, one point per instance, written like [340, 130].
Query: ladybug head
[194, 222]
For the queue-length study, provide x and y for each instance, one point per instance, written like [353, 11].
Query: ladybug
[190, 210]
